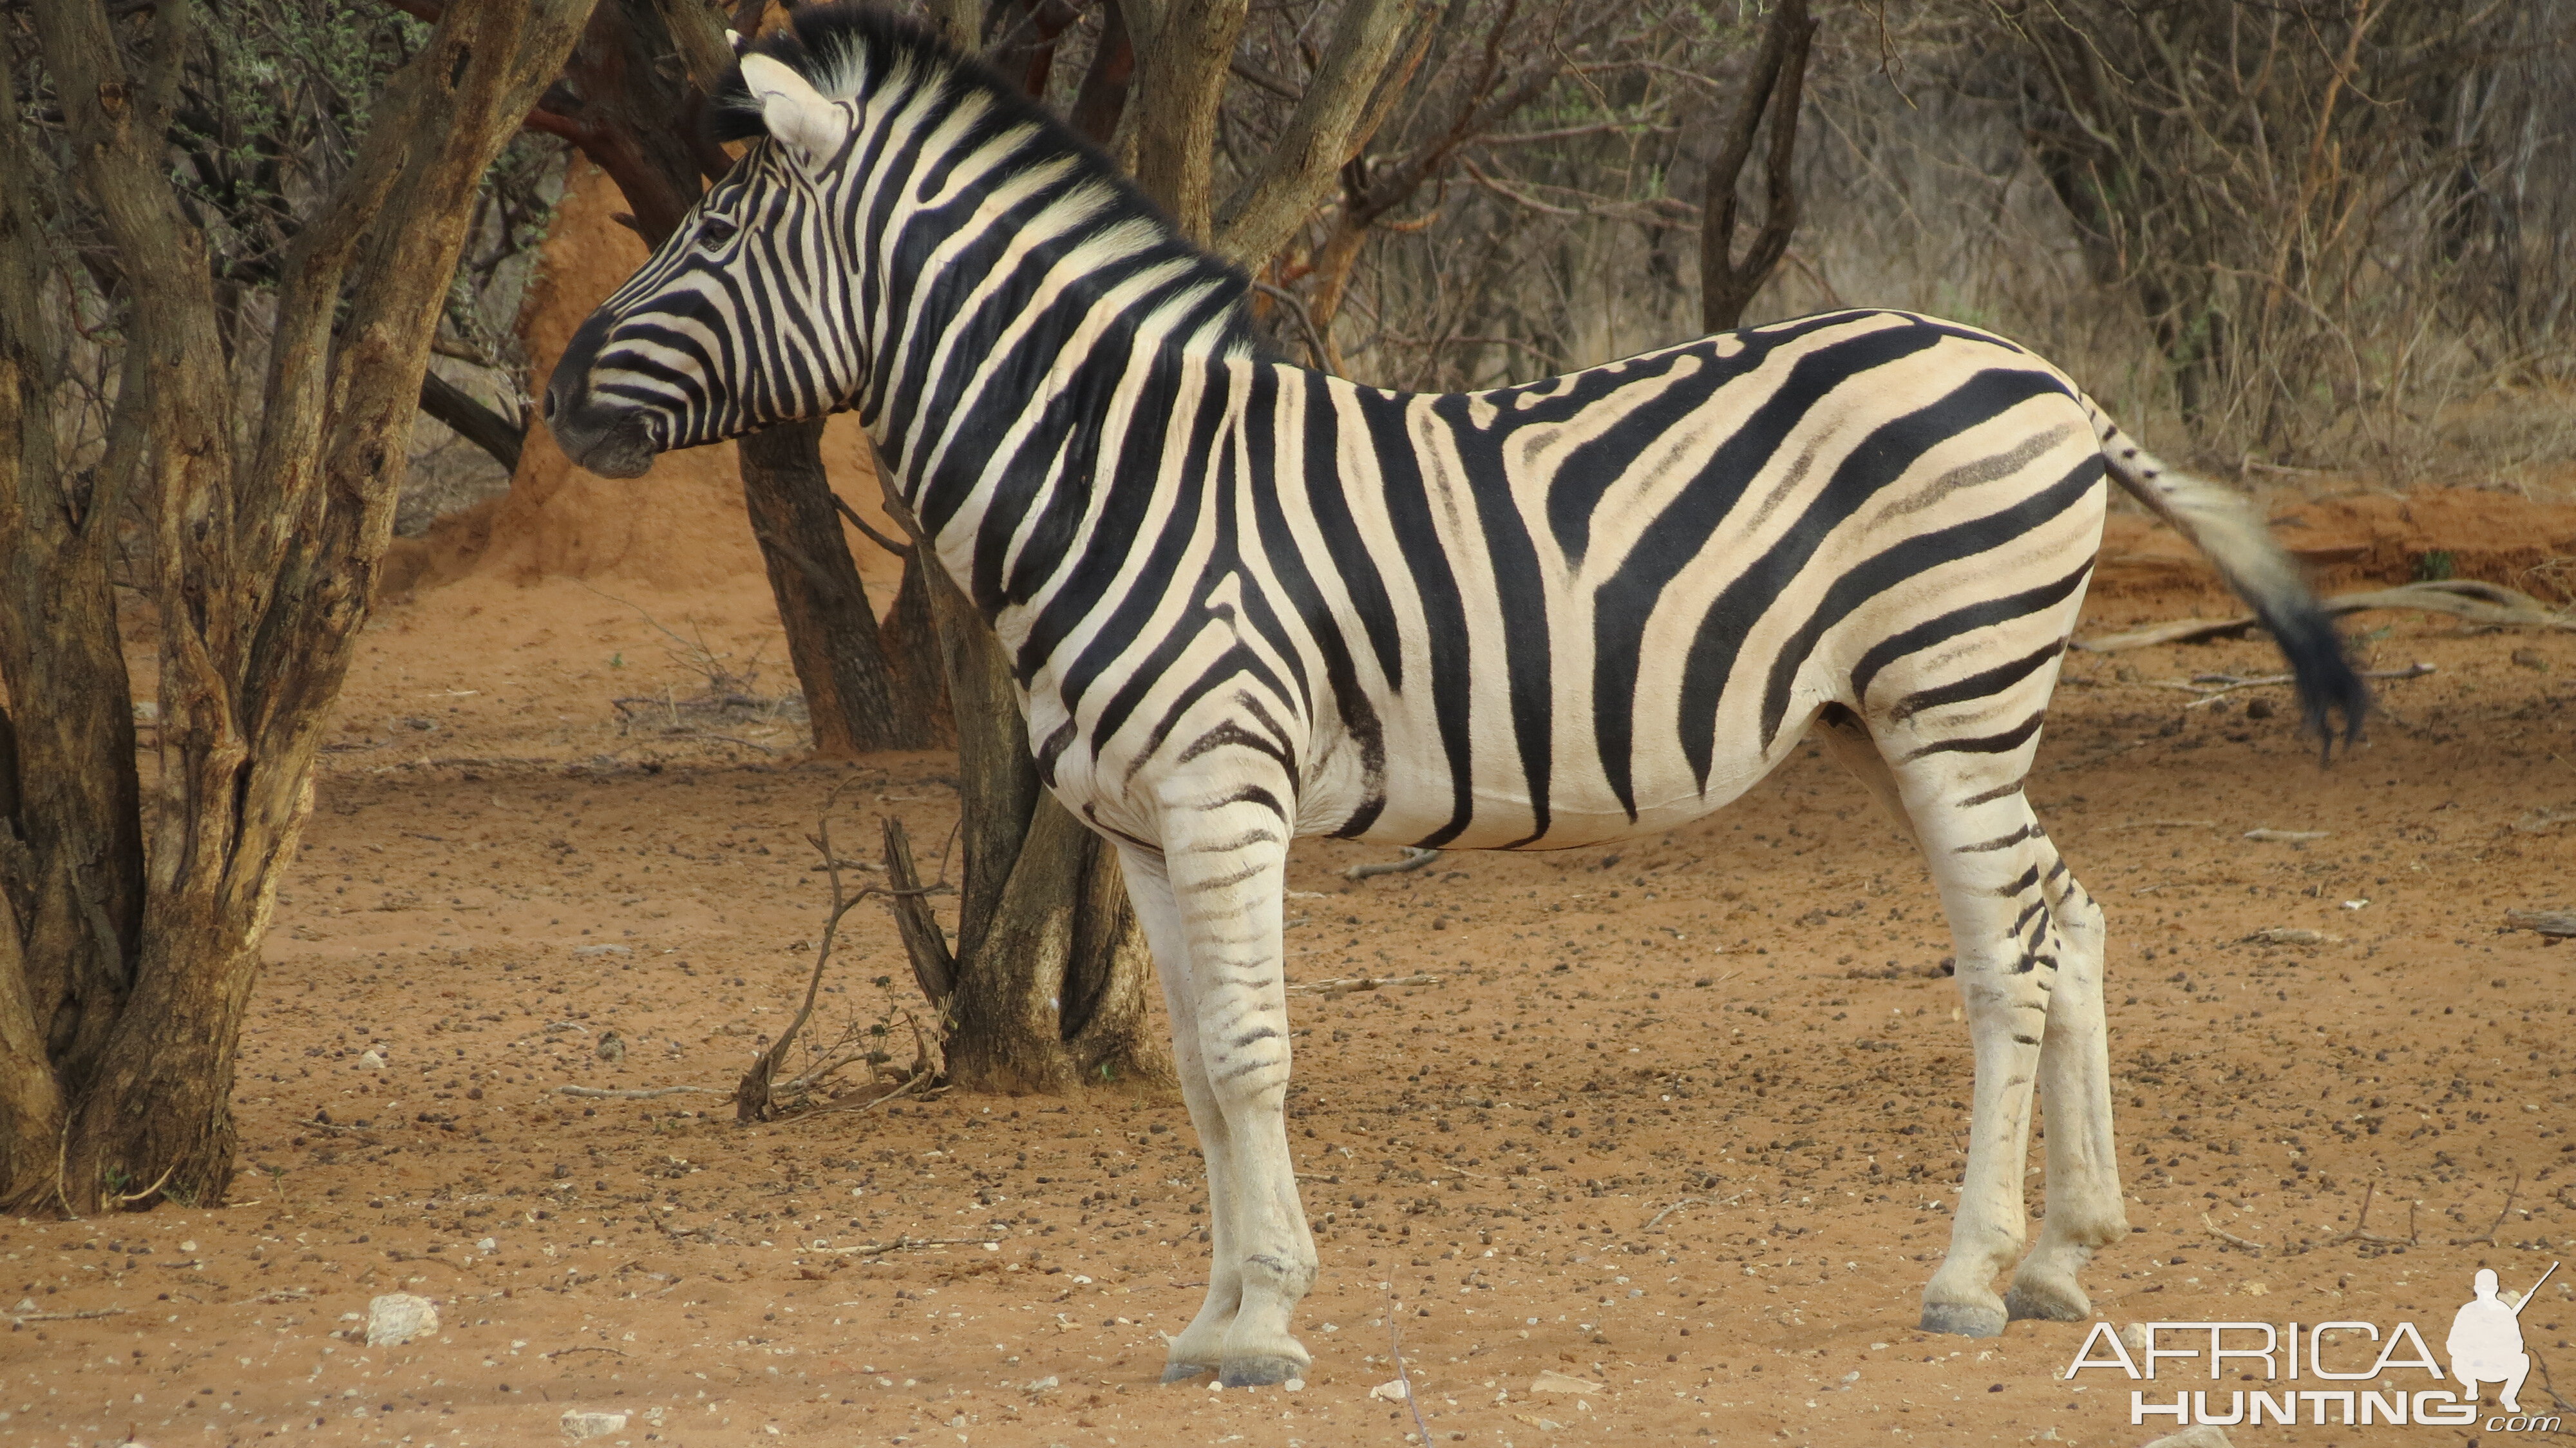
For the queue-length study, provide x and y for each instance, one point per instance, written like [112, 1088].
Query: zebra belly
[1420, 801]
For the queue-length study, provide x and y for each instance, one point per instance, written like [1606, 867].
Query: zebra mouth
[614, 443]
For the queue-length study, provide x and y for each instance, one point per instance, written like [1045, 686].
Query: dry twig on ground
[2361, 1225]
[904, 1244]
[755, 1099]
[2488, 1237]
[1344, 985]
[1415, 857]
[2257, 1248]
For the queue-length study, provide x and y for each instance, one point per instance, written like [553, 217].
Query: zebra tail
[2225, 526]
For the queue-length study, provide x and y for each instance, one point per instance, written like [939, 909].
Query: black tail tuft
[2328, 684]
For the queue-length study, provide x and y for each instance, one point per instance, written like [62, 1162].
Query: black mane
[817, 38]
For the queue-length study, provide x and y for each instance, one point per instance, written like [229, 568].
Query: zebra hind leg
[1993, 867]
[2084, 1211]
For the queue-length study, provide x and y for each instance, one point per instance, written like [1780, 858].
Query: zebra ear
[796, 114]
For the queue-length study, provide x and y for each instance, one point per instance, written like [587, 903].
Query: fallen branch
[2256, 1248]
[646, 1093]
[81, 1316]
[569, 1351]
[1415, 857]
[872, 1103]
[2272, 681]
[1346, 984]
[2361, 1225]
[2555, 925]
[755, 1098]
[905, 1244]
[2477, 602]
[1657, 1219]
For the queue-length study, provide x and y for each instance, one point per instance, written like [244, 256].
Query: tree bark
[1333, 120]
[470, 418]
[1102, 98]
[1181, 74]
[832, 637]
[910, 639]
[260, 561]
[1047, 981]
[71, 842]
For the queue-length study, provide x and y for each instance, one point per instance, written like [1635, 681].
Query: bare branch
[1776, 83]
[1332, 121]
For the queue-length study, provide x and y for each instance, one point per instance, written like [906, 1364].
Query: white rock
[1556, 1382]
[2199, 1435]
[580, 1424]
[2134, 1338]
[371, 1060]
[1293, 1385]
[398, 1317]
[1393, 1390]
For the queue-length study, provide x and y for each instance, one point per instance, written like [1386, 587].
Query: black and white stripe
[1247, 601]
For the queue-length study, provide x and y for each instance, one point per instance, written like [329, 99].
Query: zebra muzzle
[613, 442]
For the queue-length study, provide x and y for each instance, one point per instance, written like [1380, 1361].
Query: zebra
[1246, 601]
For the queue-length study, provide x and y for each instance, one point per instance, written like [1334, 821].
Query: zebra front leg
[1200, 1348]
[2084, 1211]
[1222, 887]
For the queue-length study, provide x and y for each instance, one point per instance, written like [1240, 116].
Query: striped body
[1247, 601]
[1557, 614]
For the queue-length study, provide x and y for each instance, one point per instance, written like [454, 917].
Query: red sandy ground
[1747, 1013]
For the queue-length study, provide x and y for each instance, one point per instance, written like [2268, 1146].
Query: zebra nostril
[546, 405]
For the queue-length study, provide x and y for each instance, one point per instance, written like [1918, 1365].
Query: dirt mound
[680, 529]
[2358, 541]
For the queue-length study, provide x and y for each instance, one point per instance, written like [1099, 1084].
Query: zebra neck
[1003, 446]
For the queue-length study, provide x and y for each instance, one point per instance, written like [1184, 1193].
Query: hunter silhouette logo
[2358, 1385]
[2486, 1341]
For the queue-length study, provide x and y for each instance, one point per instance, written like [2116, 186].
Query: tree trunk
[851, 695]
[1049, 972]
[1184, 51]
[1776, 83]
[130, 926]
[71, 830]
[910, 640]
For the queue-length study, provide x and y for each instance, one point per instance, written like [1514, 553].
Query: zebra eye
[715, 231]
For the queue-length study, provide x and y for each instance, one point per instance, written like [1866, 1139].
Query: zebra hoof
[2045, 1303]
[1962, 1319]
[1259, 1372]
[1183, 1372]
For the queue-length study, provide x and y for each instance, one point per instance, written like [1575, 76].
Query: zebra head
[742, 318]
